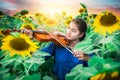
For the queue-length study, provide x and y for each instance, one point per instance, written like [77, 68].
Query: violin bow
[51, 35]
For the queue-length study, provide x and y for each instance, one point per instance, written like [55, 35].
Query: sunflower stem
[103, 46]
[29, 67]
[97, 54]
[26, 71]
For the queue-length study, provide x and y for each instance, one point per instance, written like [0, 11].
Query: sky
[71, 7]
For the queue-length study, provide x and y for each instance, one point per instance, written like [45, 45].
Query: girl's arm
[50, 48]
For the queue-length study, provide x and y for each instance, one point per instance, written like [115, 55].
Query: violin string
[51, 35]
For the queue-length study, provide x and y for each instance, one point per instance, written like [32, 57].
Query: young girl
[64, 60]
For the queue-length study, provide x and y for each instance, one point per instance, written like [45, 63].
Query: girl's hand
[81, 55]
[27, 32]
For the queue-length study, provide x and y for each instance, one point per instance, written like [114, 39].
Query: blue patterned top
[64, 60]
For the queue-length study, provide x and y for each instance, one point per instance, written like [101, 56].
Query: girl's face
[72, 32]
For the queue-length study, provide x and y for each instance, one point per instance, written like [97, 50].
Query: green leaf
[9, 22]
[35, 67]
[83, 5]
[19, 24]
[35, 77]
[85, 46]
[23, 12]
[78, 16]
[106, 40]
[39, 53]
[15, 34]
[6, 76]
[87, 72]
[2, 53]
[26, 77]
[90, 35]
[35, 60]
[17, 63]
[83, 43]
[48, 65]
[111, 65]
[96, 62]
[97, 38]
[116, 43]
[47, 78]
[44, 44]
[8, 60]
[74, 72]
[93, 51]
[111, 46]
[3, 71]
[81, 73]
[84, 15]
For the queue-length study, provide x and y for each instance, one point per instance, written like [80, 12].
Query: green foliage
[85, 46]
[47, 78]
[104, 65]
[43, 44]
[15, 34]
[30, 77]
[23, 12]
[83, 5]
[96, 66]
[84, 14]
[17, 67]
[8, 22]
[81, 73]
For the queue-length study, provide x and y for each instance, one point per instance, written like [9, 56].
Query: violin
[44, 36]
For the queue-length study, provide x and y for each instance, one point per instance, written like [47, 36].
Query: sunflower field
[21, 58]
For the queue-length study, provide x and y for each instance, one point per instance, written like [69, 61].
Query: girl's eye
[73, 30]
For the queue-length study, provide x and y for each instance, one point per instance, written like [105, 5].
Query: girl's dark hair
[82, 26]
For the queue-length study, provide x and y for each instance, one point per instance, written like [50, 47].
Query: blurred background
[53, 6]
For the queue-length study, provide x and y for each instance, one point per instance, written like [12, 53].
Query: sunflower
[38, 15]
[23, 17]
[70, 17]
[50, 22]
[106, 23]
[63, 13]
[1, 14]
[81, 10]
[67, 22]
[107, 76]
[90, 18]
[28, 26]
[1, 32]
[21, 45]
